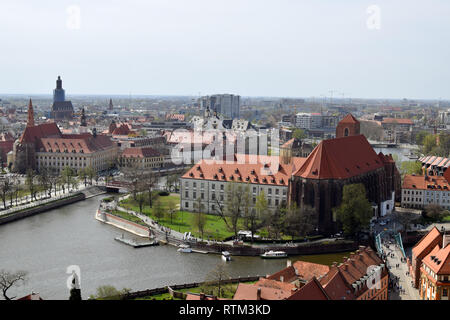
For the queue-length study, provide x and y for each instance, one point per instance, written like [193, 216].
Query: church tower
[30, 122]
[59, 95]
[348, 126]
[111, 107]
[83, 119]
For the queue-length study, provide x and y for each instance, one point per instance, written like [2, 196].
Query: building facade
[227, 105]
[44, 145]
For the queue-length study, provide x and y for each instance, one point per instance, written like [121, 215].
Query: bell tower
[348, 126]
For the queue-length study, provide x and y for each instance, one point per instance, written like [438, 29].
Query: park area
[181, 221]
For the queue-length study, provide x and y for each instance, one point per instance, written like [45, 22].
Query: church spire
[30, 122]
[83, 118]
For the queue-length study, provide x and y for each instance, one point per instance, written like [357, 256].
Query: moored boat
[226, 256]
[274, 255]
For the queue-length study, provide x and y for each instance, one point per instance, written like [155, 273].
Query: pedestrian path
[403, 289]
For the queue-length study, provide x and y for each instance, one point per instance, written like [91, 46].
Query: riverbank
[40, 208]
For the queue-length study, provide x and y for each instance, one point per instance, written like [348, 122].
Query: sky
[284, 48]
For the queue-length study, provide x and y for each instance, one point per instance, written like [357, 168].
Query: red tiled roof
[122, 130]
[337, 288]
[250, 292]
[274, 284]
[340, 158]
[33, 134]
[438, 260]
[349, 118]
[143, 152]
[268, 170]
[398, 121]
[287, 274]
[308, 270]
[313, 290]
[84, 143]
[425, 243]
[420, 183]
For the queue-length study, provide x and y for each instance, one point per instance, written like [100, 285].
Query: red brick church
[334, 163]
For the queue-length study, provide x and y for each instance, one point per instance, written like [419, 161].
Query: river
[45, 245]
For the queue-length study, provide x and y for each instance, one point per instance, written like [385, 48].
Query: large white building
[308, 120]
[421, 191]
[208, 181]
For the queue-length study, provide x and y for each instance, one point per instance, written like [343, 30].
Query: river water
[45, 245]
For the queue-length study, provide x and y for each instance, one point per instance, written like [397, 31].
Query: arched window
[346, 132]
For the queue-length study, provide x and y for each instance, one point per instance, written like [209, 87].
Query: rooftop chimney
[289, 263]
[258, 294]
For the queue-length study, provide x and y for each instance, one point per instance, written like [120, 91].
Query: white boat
[274, 255]
[226, 256]
[184, 248]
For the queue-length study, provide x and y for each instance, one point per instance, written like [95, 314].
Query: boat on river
[274, 255]
[226, 256]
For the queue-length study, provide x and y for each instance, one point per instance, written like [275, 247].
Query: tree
[200, 217]
[411, 167]
[133, 176]
[140, 199]
[149, 180]
[67, 175]
[405, 219]
[158, 210]
[44, 179]
[5, 189]
[254, 216]
[299, 134]
[231, 210]
[109, 293]
[434, 212]
[214, 282]
[171, 208]
[275, 221]
[300, 221]
[83, 176]
[11, 279]
[29, 181]
[355, 210]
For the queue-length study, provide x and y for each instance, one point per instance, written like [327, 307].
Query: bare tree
[200, 217]
[214, 282]
[11, 279]
[5, 189]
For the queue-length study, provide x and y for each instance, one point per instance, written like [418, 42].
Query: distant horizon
[252, 48]
[125, 96]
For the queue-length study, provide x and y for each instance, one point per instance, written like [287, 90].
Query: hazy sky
[248, 47]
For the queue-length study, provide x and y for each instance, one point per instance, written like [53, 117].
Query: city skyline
[257, 49]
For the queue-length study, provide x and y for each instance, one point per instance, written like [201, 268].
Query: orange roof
[287, 274]
[340, 158]
[420, 183]
[308, 270]
[274, 284]
[349, 118]
[425, 243]
[268, 170]
[337, 288]
[438, 260]
[250, 292]
[398, 121]
[143, 152]
[33, 134]
[313, 290]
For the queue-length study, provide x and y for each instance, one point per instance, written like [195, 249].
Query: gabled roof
[426, 242]
[308, 270]
[274, 284]
[250, 292]
[253, 169]
[337, 159]
[313, 290]
[287, 274]
[33, 134]
[349, 118]
[438, 260]
[337, 288]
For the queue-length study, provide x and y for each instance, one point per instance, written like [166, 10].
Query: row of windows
[213, 187]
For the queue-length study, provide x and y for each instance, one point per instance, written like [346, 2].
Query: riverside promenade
[175, 238]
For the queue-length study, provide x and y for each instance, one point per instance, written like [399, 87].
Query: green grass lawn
[446, 219]
[128, 217]
[183, 221]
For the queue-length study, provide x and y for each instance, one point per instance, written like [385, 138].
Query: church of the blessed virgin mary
[347, 159]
